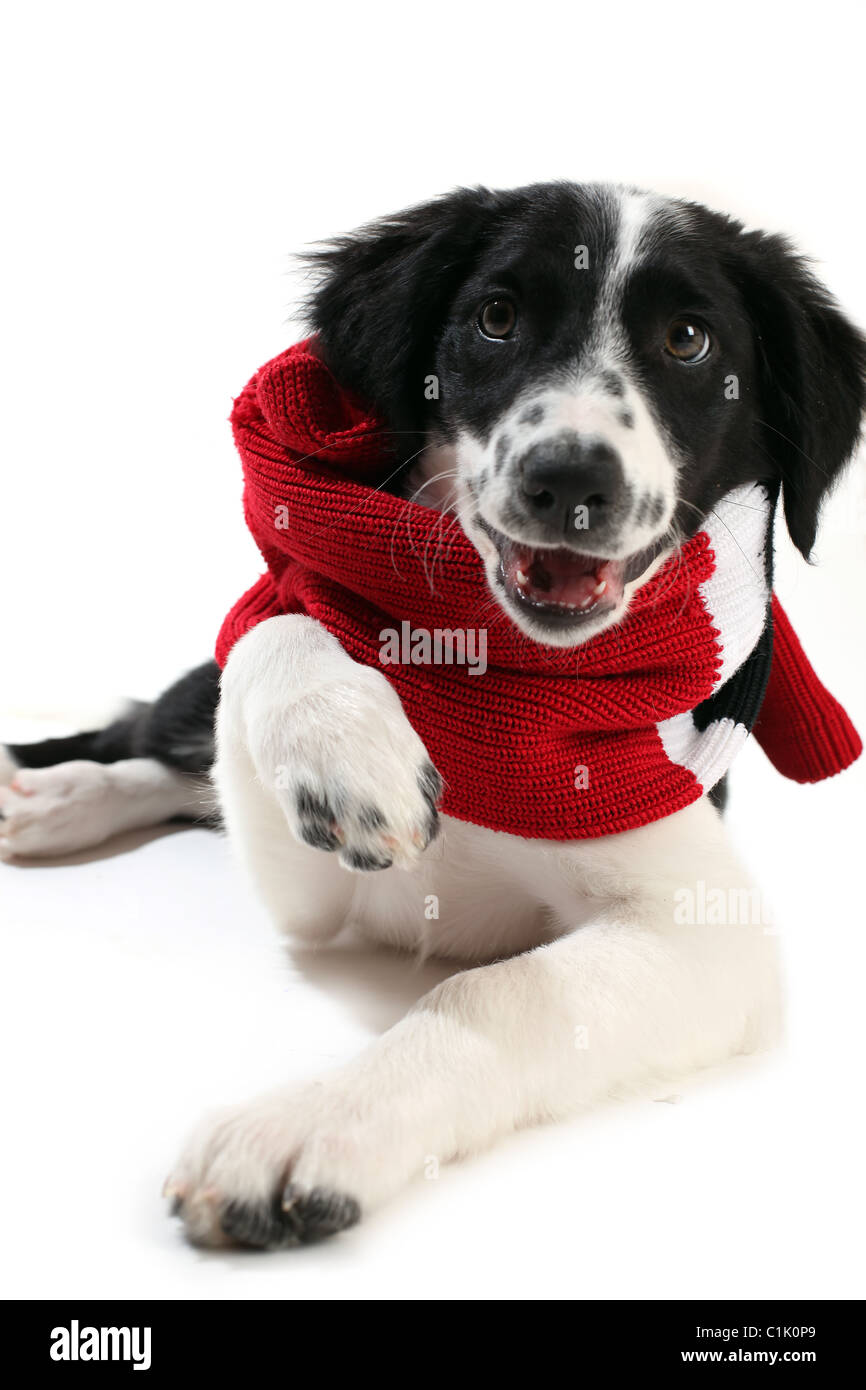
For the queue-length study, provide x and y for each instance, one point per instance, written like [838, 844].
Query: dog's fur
[580, 403]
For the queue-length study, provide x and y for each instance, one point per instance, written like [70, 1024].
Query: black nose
[572, 482]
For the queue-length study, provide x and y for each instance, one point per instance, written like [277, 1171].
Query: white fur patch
[532, 1035]
[8, 767]
[75, 805]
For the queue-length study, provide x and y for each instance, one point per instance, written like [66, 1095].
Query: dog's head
[594, 367]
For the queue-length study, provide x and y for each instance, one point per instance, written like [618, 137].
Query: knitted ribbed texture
[510, 743]
[803, 730]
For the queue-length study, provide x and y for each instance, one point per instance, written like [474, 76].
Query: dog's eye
[497, 318]
[687, 341]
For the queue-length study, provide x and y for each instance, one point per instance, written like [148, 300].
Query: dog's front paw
[285, 1170]
[352, 776]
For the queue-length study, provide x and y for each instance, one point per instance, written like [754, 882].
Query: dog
[580, 339]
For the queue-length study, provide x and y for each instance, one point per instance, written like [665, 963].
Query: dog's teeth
[522, 579]
[600, 587]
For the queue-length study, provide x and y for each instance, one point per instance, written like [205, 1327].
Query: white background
[162, 162]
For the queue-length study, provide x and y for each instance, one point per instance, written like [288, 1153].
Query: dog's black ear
[383, 293]
[812, 364]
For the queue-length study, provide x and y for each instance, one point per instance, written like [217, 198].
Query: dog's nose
[572, 482]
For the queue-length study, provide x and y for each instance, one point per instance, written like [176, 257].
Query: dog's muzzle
[572, 483]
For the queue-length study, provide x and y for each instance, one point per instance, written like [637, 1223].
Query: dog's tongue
[562, 577]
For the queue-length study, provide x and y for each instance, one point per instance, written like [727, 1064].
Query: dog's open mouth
[561, 587]
[558, 585]
[561, 583]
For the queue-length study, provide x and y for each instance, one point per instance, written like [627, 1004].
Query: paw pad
[289, 1219]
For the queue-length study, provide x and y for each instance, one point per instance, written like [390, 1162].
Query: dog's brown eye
[497, 318]
[687, 341]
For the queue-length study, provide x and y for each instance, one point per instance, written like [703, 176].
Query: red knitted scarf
[559, 744]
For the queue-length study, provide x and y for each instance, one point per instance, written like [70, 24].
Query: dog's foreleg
[632, 1001]
[318, 770]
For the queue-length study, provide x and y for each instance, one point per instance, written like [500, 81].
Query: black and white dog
[607, 387]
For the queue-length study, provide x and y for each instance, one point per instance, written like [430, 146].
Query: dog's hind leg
[75, 805]
[147, 767]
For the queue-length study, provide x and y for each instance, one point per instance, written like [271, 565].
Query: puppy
[545, 351]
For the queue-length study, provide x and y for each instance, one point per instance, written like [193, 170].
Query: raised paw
[373, 834]
[352, 776]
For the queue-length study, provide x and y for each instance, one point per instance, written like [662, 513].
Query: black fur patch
[612, 383]
[365, 861]
[176, 729]
[317, 817]
[311, 806]
[318, 836]
[290, 1219]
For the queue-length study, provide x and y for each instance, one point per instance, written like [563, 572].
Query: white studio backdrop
[162, 164]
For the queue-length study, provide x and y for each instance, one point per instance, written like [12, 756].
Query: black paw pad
[295, 1218]
[319, 1213]
[311, 806]
[366, 862]
[317, 817]
[318, 835]
[261, 1225]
